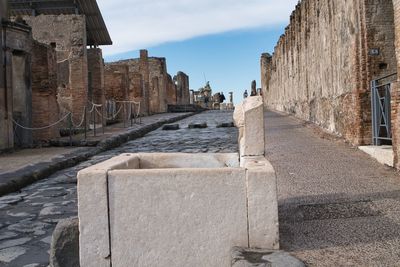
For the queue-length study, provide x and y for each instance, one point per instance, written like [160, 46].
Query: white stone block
[262, 203]
[93, 210]
[249, 118]
[177, 217]
[175, 209]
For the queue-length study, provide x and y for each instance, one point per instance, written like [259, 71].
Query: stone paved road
[337, 206]
[28, 218]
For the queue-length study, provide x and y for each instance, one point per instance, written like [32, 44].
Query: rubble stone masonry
[16, 96]
[322, 66]
[68, 33]
[44, 92]
[182, 88]
[96, 92]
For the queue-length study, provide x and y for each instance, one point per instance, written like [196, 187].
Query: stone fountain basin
[175, 209]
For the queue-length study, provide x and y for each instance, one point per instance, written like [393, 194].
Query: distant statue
[253, 88]
[231, 97]
[245, 94]
[221, 97]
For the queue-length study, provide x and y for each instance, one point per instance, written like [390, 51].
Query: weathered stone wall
[322, 66]
[158, 85]
[116, 79]
[171, 91]
[182, 84]
[5, 109]
[68, 32]
[150, 83]
[16, 98]
[396, 89]
[44, 92]
[96, 92]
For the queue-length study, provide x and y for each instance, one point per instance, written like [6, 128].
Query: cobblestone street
[337, 206]
[29, 217]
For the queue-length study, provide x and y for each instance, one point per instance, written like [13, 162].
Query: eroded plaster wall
[44, 92]
[322, 66]
[68, 33]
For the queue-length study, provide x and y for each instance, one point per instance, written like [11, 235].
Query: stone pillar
[6, 129]
[249, 118]
[144, 70]
[3, 9]
[191, 102]
[266, 63]
[68, 33]
[96, 92]
[182, 80]
[44, 92]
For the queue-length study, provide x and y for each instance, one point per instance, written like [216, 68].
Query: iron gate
[381, 111]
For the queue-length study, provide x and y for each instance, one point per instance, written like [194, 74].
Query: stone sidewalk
[26, 166]
[337, 206]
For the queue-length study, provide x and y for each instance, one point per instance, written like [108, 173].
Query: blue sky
[230, 61]
[221, 39]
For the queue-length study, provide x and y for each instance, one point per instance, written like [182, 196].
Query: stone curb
[13, 181]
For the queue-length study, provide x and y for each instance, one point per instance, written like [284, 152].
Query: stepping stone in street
[198, 125]
[171, 127]
[226, 125]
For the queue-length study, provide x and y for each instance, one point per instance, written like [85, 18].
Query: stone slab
[92, 190]
[262, 203]
[156, 209]
[177, 217]
[383, 154]
[249, 118]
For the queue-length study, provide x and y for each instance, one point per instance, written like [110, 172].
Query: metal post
[130, 113]
[70, 128]
[373, 106]
[85, 121]
[124, 119]
[94, 121]
[102, 118]
[134, 113]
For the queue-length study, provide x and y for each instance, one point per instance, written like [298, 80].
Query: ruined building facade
[146, 80]
[48, 71]
[323, 66]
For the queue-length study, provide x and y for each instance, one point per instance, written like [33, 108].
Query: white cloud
[139, 24]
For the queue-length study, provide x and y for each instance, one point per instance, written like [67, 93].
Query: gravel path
[27, 219]
[337, 206]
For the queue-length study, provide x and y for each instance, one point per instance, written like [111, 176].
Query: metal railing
[381, 109]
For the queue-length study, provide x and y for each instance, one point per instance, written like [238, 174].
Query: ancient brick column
[183, 94]
[68, 33]
[6, 136]
[44, 92]
[144, 70]
[96, 92]
[266, 64]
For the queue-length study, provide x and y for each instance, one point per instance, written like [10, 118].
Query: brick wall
[321, 67]
[16, 96]
[96, 92]
[183, 94]
[68, 32]
[171, 91]
[44, 92]
[149, 82]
